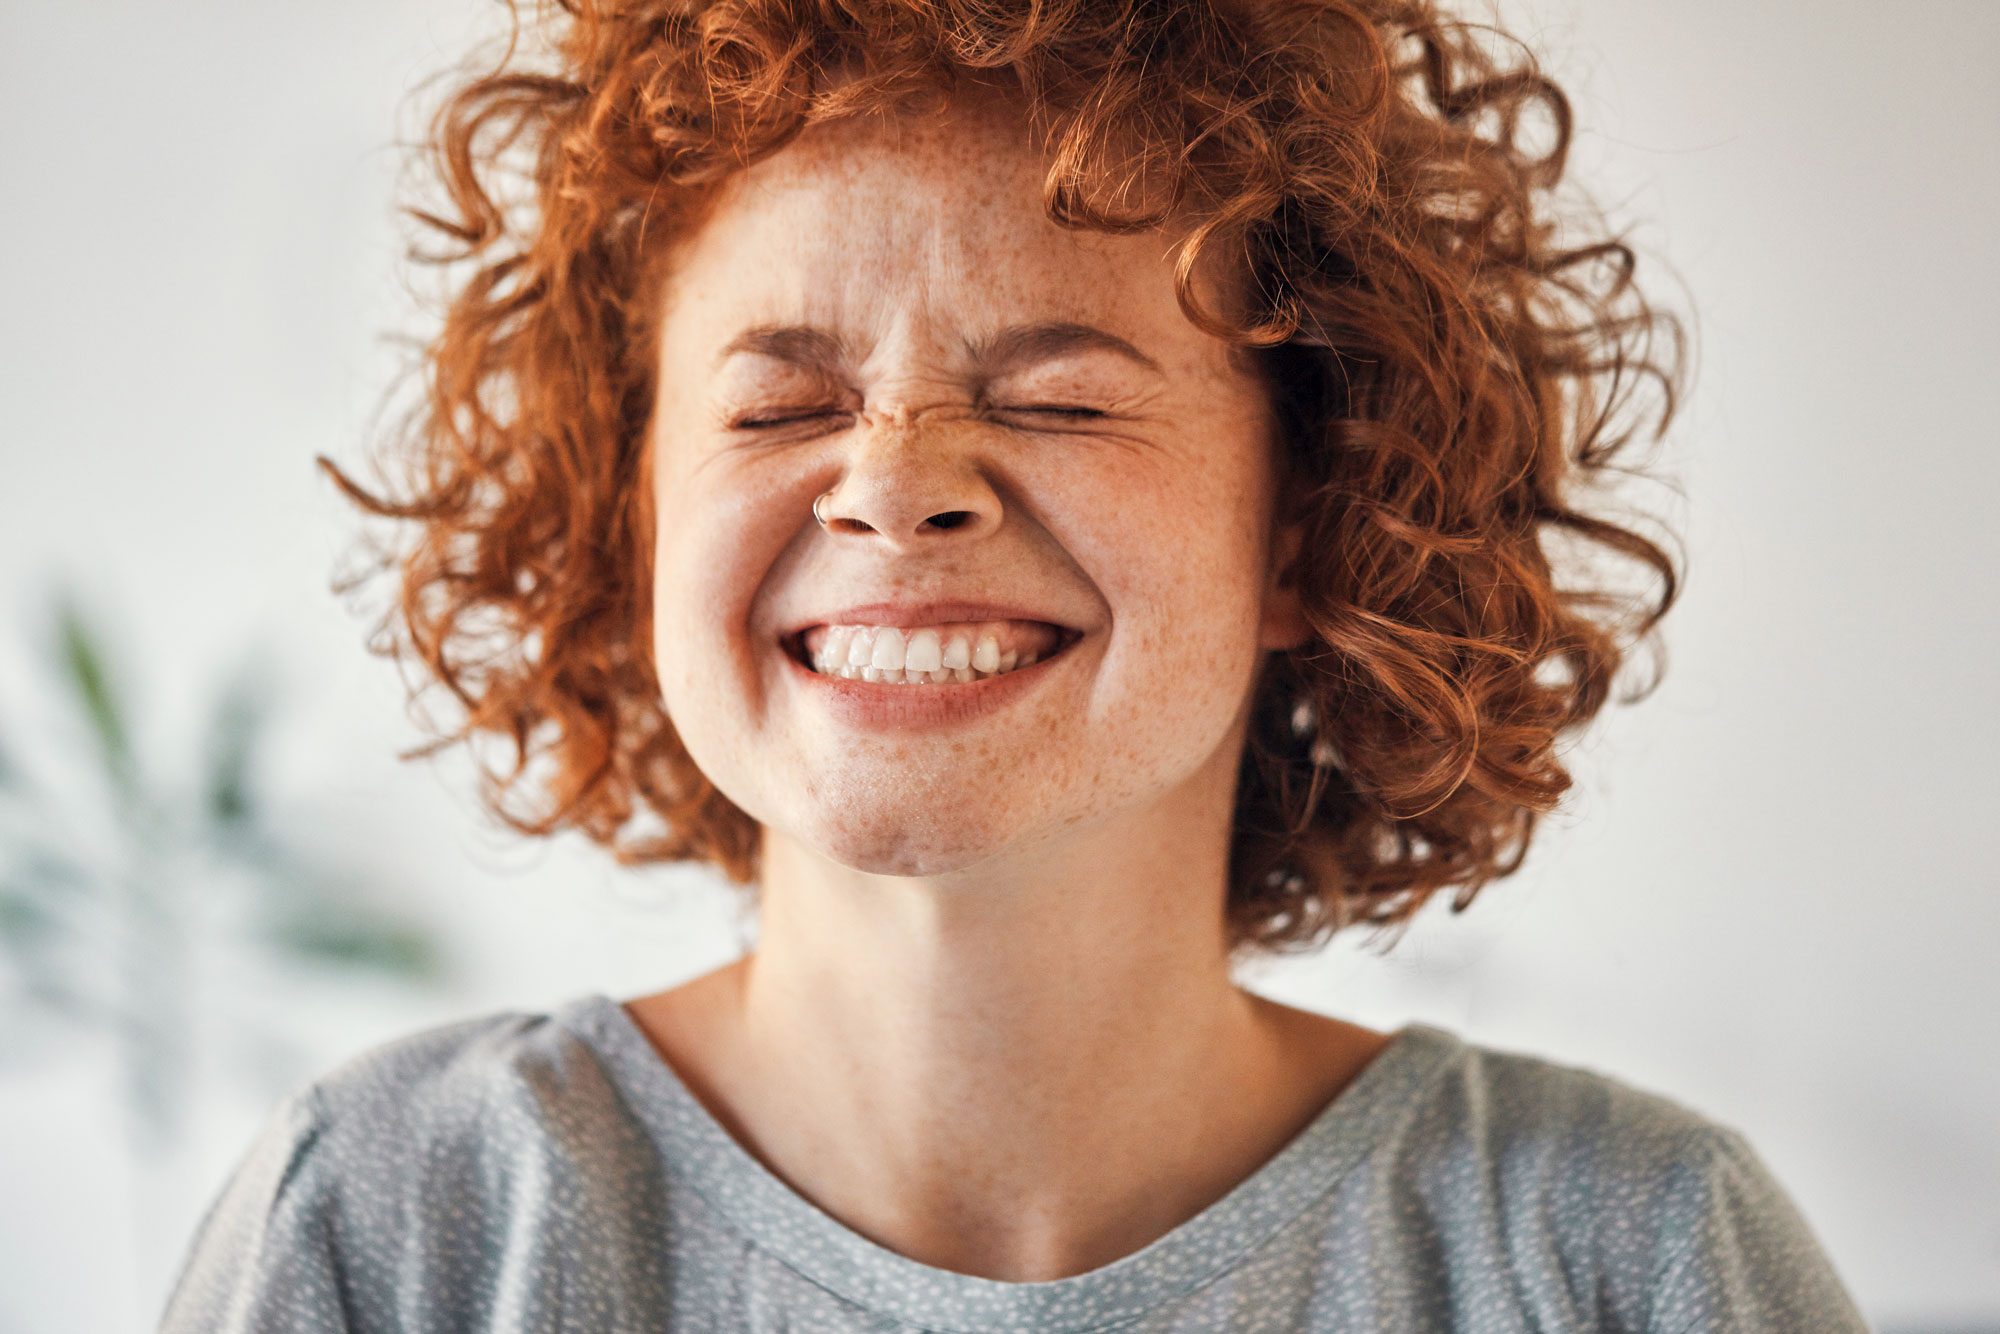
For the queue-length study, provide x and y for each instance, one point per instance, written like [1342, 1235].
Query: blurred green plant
[105, 895]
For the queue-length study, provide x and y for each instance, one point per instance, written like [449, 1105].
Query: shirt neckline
[697, 1151]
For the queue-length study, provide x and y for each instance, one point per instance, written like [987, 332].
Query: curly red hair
[1452, 378]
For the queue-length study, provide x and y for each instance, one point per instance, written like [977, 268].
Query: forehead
[935, 222]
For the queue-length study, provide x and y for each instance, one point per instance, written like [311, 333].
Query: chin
[899, 841]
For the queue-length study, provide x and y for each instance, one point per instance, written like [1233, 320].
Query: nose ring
[816, 501]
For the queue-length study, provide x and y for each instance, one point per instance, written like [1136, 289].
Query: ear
[1282, 625]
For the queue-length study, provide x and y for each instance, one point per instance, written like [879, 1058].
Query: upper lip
[925, 613]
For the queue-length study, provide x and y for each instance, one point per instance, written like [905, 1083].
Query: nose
[911, 486]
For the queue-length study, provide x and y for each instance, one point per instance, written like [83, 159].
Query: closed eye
[763, 423]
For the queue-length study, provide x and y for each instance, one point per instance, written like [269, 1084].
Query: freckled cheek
[1171, 615]
[1189, 615]
[702, 589]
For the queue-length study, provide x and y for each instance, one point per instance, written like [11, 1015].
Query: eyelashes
[769, 423]
[749, 424]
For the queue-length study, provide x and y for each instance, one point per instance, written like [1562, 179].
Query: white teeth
[888, 649]
[889, 654]
[835, 651]
[924, 653]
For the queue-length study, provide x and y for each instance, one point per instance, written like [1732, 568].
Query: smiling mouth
[969, 660]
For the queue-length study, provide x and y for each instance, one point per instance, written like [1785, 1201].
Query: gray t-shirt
[528, 1171]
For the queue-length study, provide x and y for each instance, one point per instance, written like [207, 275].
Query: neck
[1010, 1015]
[1024, 1071]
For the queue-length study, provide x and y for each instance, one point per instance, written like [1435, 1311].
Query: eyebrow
[819, 349]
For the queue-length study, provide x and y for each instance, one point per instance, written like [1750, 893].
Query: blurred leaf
[84, 661]
[25, 920]
[357, 939]
[303, 909]
[101, 935]
[241, 712]
[43, 982]
[39, 936]
[29, 895]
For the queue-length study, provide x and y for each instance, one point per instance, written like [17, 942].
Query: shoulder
[441, 1072]
[443, 1114]
[1614, 1163]
[1657, 1210]
[399, 1102]
[473, 1098]
[1523, 1105]
[412, 1157]
[1537, 1116]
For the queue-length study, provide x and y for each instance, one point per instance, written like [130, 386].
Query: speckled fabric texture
[544, 1172]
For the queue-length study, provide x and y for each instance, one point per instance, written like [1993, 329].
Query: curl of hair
[1451, 377]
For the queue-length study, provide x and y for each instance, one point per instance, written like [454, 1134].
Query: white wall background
[1772, 898]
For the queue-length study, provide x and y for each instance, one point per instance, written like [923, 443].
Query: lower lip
[882, 704]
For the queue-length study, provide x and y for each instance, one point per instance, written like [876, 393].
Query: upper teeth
[932, 654]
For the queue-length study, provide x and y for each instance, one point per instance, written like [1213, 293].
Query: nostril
[949, 519]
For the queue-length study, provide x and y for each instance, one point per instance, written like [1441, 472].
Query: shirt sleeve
[1743, 1260]
[263, 1259]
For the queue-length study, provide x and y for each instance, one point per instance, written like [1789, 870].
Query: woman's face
[1138, 516]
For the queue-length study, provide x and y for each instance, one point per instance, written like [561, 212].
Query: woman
[1057, 500]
